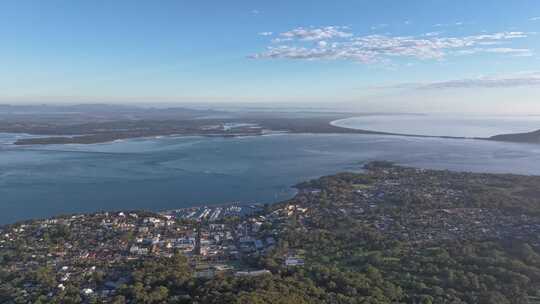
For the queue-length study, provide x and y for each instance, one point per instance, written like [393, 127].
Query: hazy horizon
[271, 107]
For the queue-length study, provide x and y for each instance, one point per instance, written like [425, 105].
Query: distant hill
[92, 113]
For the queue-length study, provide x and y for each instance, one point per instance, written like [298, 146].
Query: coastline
[249, 208]
[302, 126]
[236, 127]
[532, 137]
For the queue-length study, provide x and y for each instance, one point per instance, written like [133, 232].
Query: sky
[386, 55]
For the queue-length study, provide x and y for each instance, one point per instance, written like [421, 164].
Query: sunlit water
[169, 173]
[443, 125]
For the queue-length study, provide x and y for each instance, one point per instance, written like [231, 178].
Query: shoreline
[253, 207]
[333, 123]
[80, 139]
[531, 137]
[241, 127]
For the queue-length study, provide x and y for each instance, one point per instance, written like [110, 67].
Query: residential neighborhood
[415, 207]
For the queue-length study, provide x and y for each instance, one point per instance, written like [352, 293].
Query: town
[417, 207]
[215, 239]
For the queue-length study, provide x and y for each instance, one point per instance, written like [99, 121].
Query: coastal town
[420, 208]
[215, 239]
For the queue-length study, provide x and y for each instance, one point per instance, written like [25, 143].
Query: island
[389, 234]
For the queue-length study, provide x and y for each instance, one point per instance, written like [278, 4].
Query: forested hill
[388, 235]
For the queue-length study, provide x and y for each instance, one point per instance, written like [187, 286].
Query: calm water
[171, 173]
[443, 125]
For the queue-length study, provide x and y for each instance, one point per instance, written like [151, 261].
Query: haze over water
[443, 125]
[169, 173]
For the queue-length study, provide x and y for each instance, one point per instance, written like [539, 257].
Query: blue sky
[432, 56]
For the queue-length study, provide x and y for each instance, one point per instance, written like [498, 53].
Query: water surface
[168, 173]
[443, 125]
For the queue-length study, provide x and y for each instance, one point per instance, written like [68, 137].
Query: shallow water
[168, 173]
[443, 125]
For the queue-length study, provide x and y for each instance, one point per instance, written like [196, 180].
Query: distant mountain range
[84, 113]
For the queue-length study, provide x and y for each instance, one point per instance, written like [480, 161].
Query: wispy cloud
[266, 33]
[431, 34]
[314, 34]
[528, 79]
[458, 23]
[512, 51]
[338, 43]
[535, 18]
[500, 50]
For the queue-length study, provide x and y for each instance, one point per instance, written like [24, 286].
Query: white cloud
[505, 51]
[255, 12]
[322, 44]
[266, 33]
[486, 83]
[337, 43]
[535, 19]
[431, 34]
[454, 24]
[512, 51]
[313, 34]
[294, 52]
[527, 79]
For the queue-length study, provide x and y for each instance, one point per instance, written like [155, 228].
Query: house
[87, 291]
[138, 250]
[294, 261]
